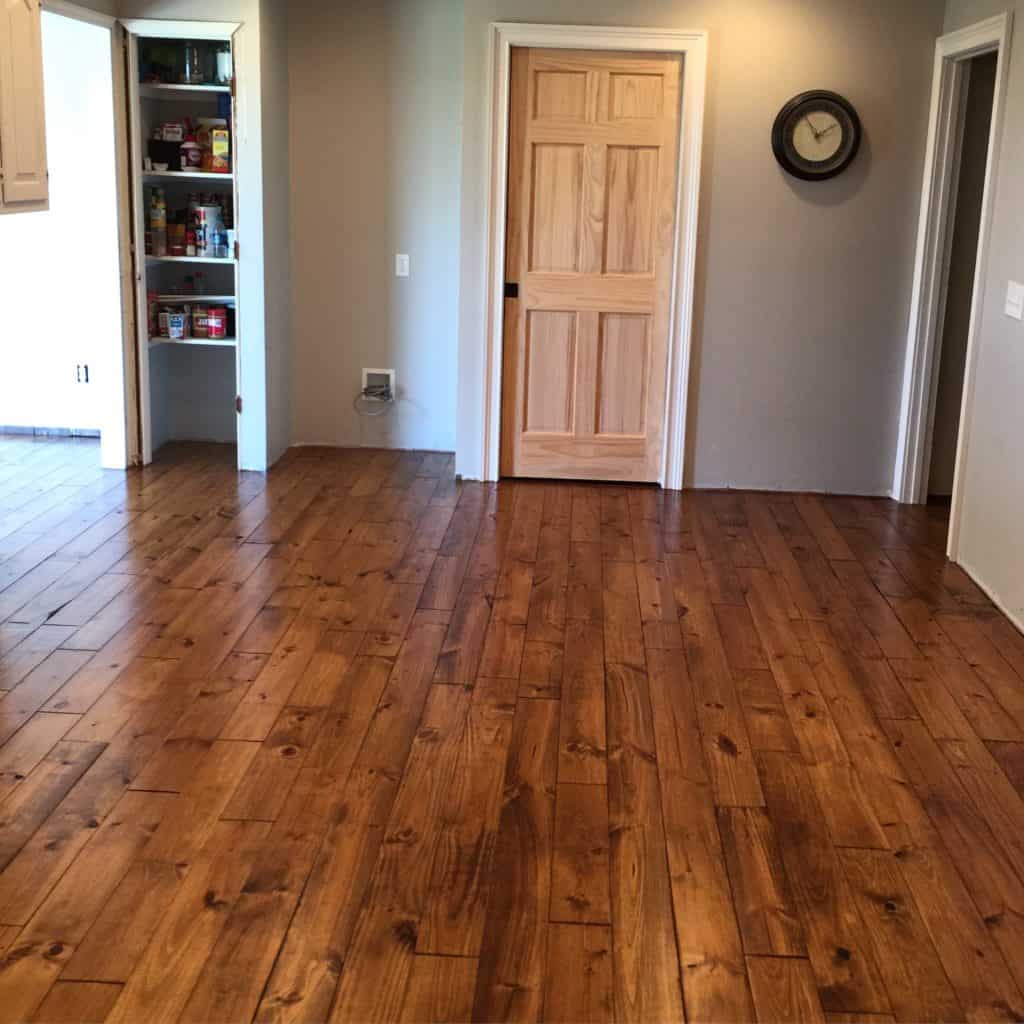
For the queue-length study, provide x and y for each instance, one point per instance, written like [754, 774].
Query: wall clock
[816, 135]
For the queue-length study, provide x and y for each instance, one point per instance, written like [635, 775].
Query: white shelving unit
[220, 300]
[184, 176]
[209, 342]
[188, 387]
[162, 90]
[215, 261]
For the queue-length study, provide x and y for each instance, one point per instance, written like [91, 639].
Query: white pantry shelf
[188, 176]
[207, 342]
[171, 90]
[226, 261]
[175, 299]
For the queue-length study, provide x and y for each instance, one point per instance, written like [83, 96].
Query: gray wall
[803, 289]
[962, 259]
[375, 101]
[992, 527]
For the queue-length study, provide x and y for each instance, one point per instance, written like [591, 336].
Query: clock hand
[814, 131]
[831, 127]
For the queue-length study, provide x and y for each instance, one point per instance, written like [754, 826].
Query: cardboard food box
[220, 150]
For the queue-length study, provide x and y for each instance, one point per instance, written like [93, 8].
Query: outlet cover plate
[377, 378]
[1014, 300]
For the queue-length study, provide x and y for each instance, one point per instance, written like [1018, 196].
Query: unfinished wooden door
[591, 210]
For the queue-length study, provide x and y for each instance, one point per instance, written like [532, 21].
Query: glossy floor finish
[356, 742]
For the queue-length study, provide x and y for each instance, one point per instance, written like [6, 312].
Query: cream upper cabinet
[23, 176]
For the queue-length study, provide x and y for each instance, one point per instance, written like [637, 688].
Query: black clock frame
[781, 141]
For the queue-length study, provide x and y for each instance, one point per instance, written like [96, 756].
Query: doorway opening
[589, 235]
[60, 268]
[691, 46]
[965, 217]
[968, 88]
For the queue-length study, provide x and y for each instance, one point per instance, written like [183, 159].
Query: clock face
[816, 135]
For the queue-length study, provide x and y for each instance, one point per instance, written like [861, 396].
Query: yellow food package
[220, 149]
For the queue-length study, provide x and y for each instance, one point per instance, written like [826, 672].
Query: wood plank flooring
[353, 741]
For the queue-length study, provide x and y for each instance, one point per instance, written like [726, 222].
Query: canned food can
[176, 326]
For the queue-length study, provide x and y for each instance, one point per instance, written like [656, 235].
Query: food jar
[217, 322]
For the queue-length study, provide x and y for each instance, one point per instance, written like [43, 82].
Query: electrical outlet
[378, 382]
[401, 264]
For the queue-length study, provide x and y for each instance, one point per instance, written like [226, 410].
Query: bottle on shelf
[224, 68]
[191, 154]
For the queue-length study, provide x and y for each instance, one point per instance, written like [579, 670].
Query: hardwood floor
[356, 742]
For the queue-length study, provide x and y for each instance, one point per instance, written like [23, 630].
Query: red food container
[217, 322]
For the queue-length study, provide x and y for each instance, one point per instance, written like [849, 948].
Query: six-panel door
[591, 204]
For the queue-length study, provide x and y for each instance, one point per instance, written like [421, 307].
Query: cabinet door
[22, 126]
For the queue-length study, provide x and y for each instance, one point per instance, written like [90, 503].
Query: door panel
[631, 194]
[635, 96]
[550, 369]
[555, 208]
[623, 356]
[591, 203]
[560, 94]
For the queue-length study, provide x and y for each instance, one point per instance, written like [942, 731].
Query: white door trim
[693, 46]
[920, 380]
[170, 29]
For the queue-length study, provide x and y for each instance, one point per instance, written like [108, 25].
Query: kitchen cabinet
[24, 182]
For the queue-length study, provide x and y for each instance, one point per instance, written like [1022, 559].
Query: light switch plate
[401, 264]
[1015, 300]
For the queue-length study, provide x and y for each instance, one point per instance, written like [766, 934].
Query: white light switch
[1015, 300]
[401, 264]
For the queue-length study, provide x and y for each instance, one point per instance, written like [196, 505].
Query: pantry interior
[181, 117]
[223, 76]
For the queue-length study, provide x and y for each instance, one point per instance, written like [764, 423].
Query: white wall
[375, 100]
[59, 270]
[992, 524]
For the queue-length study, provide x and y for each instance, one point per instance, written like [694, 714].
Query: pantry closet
[189, 231]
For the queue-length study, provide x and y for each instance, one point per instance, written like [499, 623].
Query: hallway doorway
[965, 216]
[965, 118]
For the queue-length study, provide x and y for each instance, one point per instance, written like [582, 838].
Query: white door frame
[931, 264]
[119, 431]
[693, 47]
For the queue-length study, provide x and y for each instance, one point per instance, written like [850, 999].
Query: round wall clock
[816, 135]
